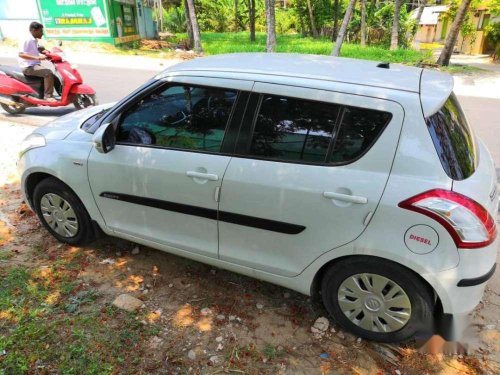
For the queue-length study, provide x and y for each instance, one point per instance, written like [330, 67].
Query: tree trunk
[194, 23]
[395, 25]
[444, 58]
[335, 20]
[251, 19]
[189, 27]
[236, 17]
[363, 23]
[343, 28]
[420, 11]
[270, 26]
[159, 6]
[311, 18]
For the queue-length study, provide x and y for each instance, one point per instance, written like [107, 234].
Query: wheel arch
[35, 178]
[315, 290]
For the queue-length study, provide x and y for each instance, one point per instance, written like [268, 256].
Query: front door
[161, 180]
[309, 177]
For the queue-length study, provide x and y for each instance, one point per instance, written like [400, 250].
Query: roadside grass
[49, 322]
[219, 43]
[461, 69]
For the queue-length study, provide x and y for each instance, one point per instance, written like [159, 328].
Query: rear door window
[298, 130]
[454, 140]
[293, 129]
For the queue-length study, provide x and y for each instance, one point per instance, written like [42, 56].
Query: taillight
[468, 223]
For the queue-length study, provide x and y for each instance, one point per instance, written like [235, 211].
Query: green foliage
[493, 36]
[219, 16]
[175, 19]
[286, 21]
[495, 8]
[215, 15]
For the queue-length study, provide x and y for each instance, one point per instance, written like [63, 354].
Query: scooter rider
[30, 60]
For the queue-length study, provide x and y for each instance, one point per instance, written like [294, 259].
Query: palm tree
[363, 23]
[188, 25]
[335, 19]
[251, 19]
[420, 11]
[311, 17]
[194, 24]
[270, 26]
[444, 57]
[343, 28]
[395, 25]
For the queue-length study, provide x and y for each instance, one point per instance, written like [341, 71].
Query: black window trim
[243, 147]
[237, 147]
[225, 149]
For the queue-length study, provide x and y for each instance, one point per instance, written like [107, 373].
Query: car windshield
[454, 140]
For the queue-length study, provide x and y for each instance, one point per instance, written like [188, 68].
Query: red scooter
[18, 92]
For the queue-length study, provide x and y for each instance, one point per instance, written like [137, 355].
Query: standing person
[30, 60]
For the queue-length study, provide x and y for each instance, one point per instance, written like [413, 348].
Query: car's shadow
[47, 111]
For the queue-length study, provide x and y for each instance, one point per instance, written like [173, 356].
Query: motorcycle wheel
[82, 101]
[12, 109]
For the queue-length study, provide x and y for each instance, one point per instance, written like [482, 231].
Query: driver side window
[180, 116]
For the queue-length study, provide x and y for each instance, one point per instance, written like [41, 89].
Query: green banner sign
[82, 18]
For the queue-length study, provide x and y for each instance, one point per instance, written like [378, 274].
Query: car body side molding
[228, 217]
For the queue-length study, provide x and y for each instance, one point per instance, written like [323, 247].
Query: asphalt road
[112, 84]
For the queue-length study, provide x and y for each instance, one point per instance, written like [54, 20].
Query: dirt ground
[212, 321]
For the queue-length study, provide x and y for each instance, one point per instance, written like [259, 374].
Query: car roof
[326, 68]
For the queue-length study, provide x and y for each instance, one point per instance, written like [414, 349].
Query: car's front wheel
[378, 300]
[62, 212]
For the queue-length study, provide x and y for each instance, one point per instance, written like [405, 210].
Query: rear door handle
[202, 176]
[345, 197]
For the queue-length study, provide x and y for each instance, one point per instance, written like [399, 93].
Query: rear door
[311, 169]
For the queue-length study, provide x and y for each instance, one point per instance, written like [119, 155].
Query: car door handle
[203, 176]
[345, 197]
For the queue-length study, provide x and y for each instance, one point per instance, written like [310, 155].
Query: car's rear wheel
[378, 299]
[62, 213]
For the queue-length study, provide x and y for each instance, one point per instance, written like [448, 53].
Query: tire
[82, 101]
[62, 213]
[401, 310]
[13, 110]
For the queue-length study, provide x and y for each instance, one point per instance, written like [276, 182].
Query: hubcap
[59, 215]
[374, 303]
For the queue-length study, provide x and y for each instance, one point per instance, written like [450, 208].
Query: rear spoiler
[435, 88]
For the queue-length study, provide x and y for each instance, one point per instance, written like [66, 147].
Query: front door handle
[345, 197]
[202, 176]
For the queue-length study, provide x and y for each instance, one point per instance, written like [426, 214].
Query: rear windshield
[454, 140]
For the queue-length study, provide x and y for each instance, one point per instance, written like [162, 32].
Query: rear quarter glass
[454, 140]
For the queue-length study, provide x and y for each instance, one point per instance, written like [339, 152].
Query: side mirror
[104, 138]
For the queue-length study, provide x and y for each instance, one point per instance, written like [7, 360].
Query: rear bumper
[461, 289]
[477, 280]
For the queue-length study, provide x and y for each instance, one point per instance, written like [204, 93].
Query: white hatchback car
[356, 180]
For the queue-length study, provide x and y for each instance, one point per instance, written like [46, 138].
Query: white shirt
[29, 46]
